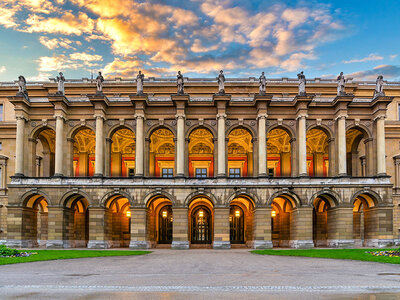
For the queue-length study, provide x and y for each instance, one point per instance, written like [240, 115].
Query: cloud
[85, 56]
[129, 67]
[62, 62]
[57, 43]
[7, 17]
[3, 69]
[388, 71]
[393, 56]
[371, 57]
[295, 17]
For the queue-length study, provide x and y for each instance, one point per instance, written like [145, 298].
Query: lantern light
[237, 213]
[128, 213]
[201, 213]
[273, 213]
[164, 214]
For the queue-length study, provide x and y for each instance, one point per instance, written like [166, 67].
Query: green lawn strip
[353, 254]
[43, 255]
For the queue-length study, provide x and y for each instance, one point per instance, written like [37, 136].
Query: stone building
[200, 169]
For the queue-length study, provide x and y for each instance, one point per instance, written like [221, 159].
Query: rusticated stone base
[341, 243]
[94, 244]
[139, 245]
[379, 243]
[56, 244]
[262, 245]
[221, 245]
[22, 243]
[301, 244]
[180, 245]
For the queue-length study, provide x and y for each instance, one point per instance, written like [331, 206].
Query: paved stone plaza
[203, 274]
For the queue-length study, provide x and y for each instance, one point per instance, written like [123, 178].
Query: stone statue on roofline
[379, 87]
[263, 83]
[99, 83]
[180, 83]
[139, 83]
[221, 83]
[60, 84]
[22, 86]
[341, 84]
[302, 83]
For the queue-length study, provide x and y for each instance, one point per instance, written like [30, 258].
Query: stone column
[55, 239]
[180, 236]
[98, 229]
[380, 146]
[14, 226]
[180, 149]
[99, 159]
[59, 165]
[302, 145]
[378, 226]
[221, 228]
[19, 152]
[221, 145]
[262, 146]
[301, 228]
[342, 169]
[262, 238]
[139, 238]
[107, 160]
[139, 153]
[340, 227]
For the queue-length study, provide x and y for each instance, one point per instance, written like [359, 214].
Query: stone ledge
[94, 244]
[301, 244]
[139, 245]
[262, 245]
[180, 245]
[340, 243]
[221, 245]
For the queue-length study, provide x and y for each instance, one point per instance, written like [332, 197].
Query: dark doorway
[201, 225]
[236, 221]
[165, 220]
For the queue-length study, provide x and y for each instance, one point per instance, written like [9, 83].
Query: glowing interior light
[164, 214]
[201, 213]
[128, 213]
[237, 213]
[273, 213]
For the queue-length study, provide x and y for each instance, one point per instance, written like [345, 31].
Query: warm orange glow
[164, 214]
[201, 213]
[128, 213]
[273, 213]
[237, 213]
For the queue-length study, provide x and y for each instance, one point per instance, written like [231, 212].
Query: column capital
[262, 116]
[220, 116]
[341, 116]
[380, 117]
[100, 115]
[60, 116]
[300, 116]
[180, 116]
[21, 117]
[139, 116]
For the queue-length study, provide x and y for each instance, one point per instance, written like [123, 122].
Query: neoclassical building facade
[199, 169]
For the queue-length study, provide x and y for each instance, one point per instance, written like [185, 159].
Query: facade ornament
[302, 83]
[139, 83]
[180, 83]
[22, 86]
[263, 83]
[379, 87]
[221, 83]
[60, 82]
[341, 84]
[99, 83]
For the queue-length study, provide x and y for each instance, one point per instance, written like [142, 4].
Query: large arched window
[357, 145]
[43, 158]
[279, 153]
[240, 153]
[317, 153]
[162, 153]
[84, 152]
[123, 153]
[201, 153]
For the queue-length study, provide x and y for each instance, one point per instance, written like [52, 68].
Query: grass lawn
[67, 254]
[354, 254]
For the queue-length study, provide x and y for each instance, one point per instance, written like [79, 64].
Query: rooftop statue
[221, 83]
[180, 83]
[341, 83]
[22, 86]
[99, 83]
[379, 87]
[139, 83]
[263, 82]
[60, 81]
[302, 83]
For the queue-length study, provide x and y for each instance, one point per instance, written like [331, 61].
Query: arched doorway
[35, 222]
[365, 223]
[279, 153]
[357, 152]
[84, 152]
[44, 153]
[118, 217]
[317, 153]
[201, 221]
[281, 223]
[160, 221]
[123, 153]
[241, 221]
[201, 153]
[236, 225]
[162, 153]
[320, 222]
[240, 153]
[76, 222]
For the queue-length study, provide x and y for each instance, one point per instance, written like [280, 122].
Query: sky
[39, 38]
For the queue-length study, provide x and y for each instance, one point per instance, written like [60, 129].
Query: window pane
[201, 172]
[1, 112]
[167, 173]
[234, 172]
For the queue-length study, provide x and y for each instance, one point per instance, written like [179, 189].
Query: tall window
[398, 109]
[1, 112]
[234, 172]
[167, 172]
[201, 173]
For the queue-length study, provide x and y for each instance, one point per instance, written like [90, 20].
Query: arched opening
[365, 222]
[241, 221]
[76, 222]
[356, 151]
[201, 221]
[162, 153]
[282, 207]
[240, 153]
[123, 153]
[44, 153]
[84, 152]
[159, 221]
[35, 221]
[201, 153]
[279, 152]
[317, 153]
[118, 220]
[320, 222]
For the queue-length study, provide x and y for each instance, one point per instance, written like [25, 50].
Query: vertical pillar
[302, 145]
[342, 169]
[98, 229]
[221, 145]
[107, 160]
[99, 160]
[221, 228]
[262, 147]
[58, 169]
[14, 226]
[262, 237]
[139, 153]
[378, 226]
[180, 149]
[380, 146]
[139, 238]
[301, 228]
[19, 152]
[340, 227]
[180, 236]
[55, 238]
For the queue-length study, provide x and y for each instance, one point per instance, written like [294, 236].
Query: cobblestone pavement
[200, 274]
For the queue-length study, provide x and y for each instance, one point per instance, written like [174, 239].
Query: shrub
[5, 251]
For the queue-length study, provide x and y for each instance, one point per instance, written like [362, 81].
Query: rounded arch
[253, 198]
[38, 130]
[242, 126]
[34, 192]
[372, 198]
[286, 128]
[74, 194]
[104, 200]
[155, 127]
[117, 127]
[74, 130]
[328, 131]
[292, 197]
[197, 194]
[362, 128]
[203, 126]
[154, 194]
[331, 196]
